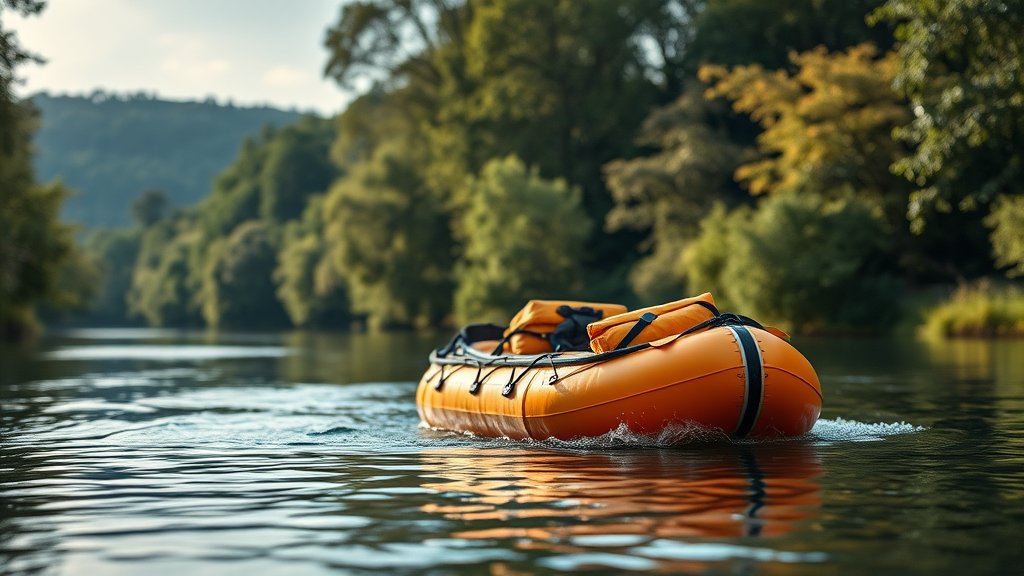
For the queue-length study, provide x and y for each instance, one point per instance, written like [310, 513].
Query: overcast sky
[251, 51]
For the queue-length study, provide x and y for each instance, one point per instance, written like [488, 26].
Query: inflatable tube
[735, 378]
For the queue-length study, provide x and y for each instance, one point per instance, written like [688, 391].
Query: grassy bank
[981, 310]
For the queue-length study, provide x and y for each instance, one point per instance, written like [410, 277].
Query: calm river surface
[149, 452]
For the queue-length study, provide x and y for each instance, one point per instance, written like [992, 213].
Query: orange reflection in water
[550, 499]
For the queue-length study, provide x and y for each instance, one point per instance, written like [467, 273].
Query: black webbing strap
[753, 379]
[709, 306]
[637, 328]
[518, 331]
[469, 334]
[513, 380]
[726, 319]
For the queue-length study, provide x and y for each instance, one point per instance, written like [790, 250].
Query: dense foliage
[809, 161]
[522, 235]
[215, 263]
[33, 244]
[110, 147]
[981, 309]
[960, 67]
[798, 261]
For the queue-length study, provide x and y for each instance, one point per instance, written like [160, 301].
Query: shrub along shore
[981, 310]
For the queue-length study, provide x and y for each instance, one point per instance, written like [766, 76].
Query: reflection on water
[164, 452]
[164, 353]
[720, 492]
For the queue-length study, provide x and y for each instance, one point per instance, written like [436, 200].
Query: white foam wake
[824, 431]
[842, 430]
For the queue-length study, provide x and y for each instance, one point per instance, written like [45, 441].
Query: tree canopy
[960, 66]
[783, 155]
[523, 235]
[34, 245]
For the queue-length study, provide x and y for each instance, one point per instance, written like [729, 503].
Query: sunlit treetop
[826, 126]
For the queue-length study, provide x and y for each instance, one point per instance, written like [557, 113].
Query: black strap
[753, 380]
[709, 306]
[518, 331]
[511, 386]
[649, 317]
[637, 328]
[479, 332]
[470, 334]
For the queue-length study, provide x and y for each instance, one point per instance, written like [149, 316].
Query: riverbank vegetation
[35, 248]
[813, 164]
[981, 310]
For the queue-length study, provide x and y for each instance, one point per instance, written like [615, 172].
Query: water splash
[842, 430]
[622, 437]
[824, 431]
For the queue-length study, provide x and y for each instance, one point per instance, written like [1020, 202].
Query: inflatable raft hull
[740, 380]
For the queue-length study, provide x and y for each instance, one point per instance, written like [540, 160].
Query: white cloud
[285, 77]
[182, 42]
[195, 70]
[246, 50]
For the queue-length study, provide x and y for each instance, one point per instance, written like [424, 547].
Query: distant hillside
[110, 148]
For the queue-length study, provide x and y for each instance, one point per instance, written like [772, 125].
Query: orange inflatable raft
[724, 373]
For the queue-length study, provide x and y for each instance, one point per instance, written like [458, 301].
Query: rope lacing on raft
[720, 320]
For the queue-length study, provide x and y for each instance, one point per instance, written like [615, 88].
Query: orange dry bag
[531, 327]
[648, 324]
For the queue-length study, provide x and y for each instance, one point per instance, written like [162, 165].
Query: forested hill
[111, 148]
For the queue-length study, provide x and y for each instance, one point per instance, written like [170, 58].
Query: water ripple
[165, 353]
[154, 458]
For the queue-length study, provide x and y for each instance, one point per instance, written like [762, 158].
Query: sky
[248, 51]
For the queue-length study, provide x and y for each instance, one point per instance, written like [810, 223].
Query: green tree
[690, 148]
[565, 85]
[562, 84]
[667, 192]
[216, 262]
[826, 126]
[388, 237]
[296, 166]
[163, 281]
[115, 253]
[235, 197]
[742, 32]
[33, 243]
[552, 79]
[393, 40]
[960, 66]
[238, 288]
[523, 239]
[703, 261]
[1007, 223]
[308, 286]
[272, 177]
[149, 208]
[79, 281]
[13, 55]
[33, 247]
[800, 262]
[827, 132]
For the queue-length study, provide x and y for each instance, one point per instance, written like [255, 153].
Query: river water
[153, 452]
